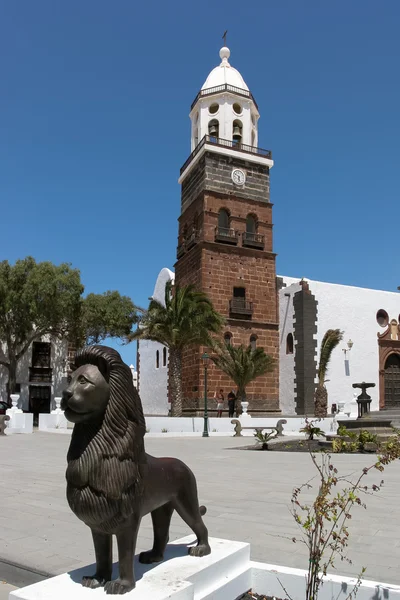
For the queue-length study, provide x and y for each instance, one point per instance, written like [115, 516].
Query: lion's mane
[106, 462]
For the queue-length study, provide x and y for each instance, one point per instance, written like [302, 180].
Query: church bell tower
[225, 231]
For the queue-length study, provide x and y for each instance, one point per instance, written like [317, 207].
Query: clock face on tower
[238, 177]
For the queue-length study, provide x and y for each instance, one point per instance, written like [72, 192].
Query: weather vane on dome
[224, 37]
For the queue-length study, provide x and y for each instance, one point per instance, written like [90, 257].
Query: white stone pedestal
[19, 422]
[55, 420]
[222, 575]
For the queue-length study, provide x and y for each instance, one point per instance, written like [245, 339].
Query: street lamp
[205, 358]
[350, 344]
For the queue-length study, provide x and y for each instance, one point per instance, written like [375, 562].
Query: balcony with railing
[253, 240]
[40, 374]
[240, 307]
[218, 89]
[233, 144]
[188, 243]
[226, 235]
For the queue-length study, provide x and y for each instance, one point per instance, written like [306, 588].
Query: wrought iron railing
[254, 240]
[224, 88]
[209, 139]
[40, 374]
[240, 306]
[190, 241]
[226, 235]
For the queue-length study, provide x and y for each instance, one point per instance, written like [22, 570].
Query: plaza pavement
[247, 495]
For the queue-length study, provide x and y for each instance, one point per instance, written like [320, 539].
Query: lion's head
[86, 398]
[101, 387]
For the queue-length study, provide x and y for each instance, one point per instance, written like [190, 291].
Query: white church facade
[370, 350]
[152, 362]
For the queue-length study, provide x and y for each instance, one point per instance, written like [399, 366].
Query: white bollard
[245, 415]
[57, 409]
[14, 408]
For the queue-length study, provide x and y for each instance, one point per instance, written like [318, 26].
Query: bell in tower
[237, 132]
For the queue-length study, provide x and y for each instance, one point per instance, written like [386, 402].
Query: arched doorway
[392, 381]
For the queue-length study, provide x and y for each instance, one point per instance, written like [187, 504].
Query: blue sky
[94, 127]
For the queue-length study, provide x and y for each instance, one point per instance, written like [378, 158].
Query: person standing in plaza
[231, 403]
[219, 396]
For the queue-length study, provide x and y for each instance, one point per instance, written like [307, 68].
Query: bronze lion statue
[111, 481]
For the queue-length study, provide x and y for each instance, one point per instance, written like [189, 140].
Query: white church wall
[353, 310]
[153, 380]
[286, 361]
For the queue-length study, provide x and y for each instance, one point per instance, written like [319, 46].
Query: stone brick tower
[225, 231]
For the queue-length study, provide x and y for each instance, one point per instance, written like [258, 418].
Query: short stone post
[245, 415]
[57, 410]
[59, 421]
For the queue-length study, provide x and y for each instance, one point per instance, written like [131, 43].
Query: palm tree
[186, 318]
[243, 365]
[331, 339]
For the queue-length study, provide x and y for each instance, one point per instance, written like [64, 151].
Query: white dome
[224, 74]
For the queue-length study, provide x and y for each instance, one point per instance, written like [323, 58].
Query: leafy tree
[243, 365]
[331, 339]
[186, 318]
[107, 315]
[36, 299]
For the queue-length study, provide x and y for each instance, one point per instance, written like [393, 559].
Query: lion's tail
[203, 510]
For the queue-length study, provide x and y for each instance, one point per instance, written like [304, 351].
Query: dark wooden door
[39, 401]
[392, 381]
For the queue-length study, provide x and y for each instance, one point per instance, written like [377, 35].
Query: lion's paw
[200, 550]
[150, 557]
[93, 581]
[119, 586]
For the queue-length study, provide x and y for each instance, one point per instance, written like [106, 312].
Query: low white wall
[224, 426]
[271, 579]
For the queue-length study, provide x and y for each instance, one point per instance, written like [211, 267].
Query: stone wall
[213, 172]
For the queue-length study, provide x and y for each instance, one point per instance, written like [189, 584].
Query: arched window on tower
[157, 359]
[289, 343]
[228, 338]
[251, 237]
[251, 224]
[164, 357]
[237, 131]
[213, 130]
[224, 222]
[253, 342]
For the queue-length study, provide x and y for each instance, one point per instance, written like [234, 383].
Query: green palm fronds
[331, 339]
[243, 365]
